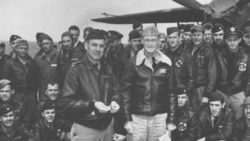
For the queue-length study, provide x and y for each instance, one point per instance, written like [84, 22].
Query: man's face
[162, 44]
[247, 111]
[215, 107]
[95, 48]
[75, 34]
[150, 43]
[208, 35]
[5, 93]
[135, 44]
[47, 45]
[49, 115]
[187, 37]
[182, 100]
[173, 41]
[197, 37]
[13, 45]
[22, 51]
[246, 39]
[52, 92]
[67, 43]
[8, 119]
[233, 43]
[218, 37]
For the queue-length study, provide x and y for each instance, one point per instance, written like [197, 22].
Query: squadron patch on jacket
[182, 126]
[178, 63]
[242, 66]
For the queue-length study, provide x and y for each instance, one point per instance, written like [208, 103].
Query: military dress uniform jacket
[205, 68]
[85, 84]
[146, 90]
[183, 69]
[186, 125]
[220, 129]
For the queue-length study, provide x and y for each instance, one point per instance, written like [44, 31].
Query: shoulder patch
[178, 63]
[242, 66]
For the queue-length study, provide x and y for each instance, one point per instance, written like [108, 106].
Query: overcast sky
[27, 17]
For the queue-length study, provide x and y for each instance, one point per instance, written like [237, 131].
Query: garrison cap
[197, 28]
[246, 101]
[45, 37]
[232, 31]
[171, 30]
[4, 82]
[22, 42]
[217, 27]
[38, 36]
[48, 105]
[150, 31]
[134, 35]
[5, 108]
[96, 34]
[246, 30]
[114, 35]
[187, 28]
[215, 96]
[208, 26]
[180, 91]
[14, 37]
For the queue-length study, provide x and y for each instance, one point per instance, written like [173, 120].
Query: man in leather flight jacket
[205, 69]
[183, 67]
[88, 93]
[145, 89]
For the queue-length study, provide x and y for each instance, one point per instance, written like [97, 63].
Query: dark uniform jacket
[85, 84]
[78, 52]
[44, 132]
[17, 133]
[205, 68]
[48, 70]
[222, 128]
[222, 70]
[183, 69]
[146, 91]
[240, 130]
[238, 66]
[3, 61]
[186, 125]
[23, 77]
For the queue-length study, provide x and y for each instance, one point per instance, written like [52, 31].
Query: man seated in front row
[215, 123]
[186, 118]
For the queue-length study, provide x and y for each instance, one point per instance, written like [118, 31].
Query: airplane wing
[192, 4]
[182, 14]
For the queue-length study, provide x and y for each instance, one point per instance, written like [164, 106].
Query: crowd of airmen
[190, 83]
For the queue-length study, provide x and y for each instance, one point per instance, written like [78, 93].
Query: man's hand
[101, 107]
[114, 107]
[204, 100]
[171, 127]
[128, 126]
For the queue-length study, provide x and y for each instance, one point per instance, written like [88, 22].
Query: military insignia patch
[242, 66]
[178, 63]
[182, 126]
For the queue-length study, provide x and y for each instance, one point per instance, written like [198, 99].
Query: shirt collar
[159, 56]
[76, 43]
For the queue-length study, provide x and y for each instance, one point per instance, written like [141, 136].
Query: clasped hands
[102, 108]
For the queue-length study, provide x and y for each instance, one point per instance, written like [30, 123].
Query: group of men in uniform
[188, 84]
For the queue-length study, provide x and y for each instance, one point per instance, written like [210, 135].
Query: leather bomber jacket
[84, 85]
[183, 69]
[147, 92]
[205, 68]
[240, 129]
